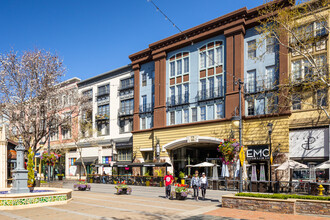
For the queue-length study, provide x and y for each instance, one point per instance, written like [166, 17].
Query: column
[136, 116]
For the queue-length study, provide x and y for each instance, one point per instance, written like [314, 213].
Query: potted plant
[123, 189]
[60, 176]
[181, 176]
[82, 186]
[181, 192]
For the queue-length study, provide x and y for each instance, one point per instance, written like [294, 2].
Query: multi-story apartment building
[186, 93]
[105, 127]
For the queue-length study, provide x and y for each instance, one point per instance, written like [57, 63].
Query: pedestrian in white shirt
[204, 185]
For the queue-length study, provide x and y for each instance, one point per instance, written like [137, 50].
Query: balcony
[177, 100]
[209, 94]
[259, 86]
[103, 92]
[100, 117]
[123, 113]
[126, 86]
[126, 95]
[148, 108]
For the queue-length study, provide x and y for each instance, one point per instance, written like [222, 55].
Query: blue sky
[96, 36]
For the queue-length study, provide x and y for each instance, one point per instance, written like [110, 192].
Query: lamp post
[237, 122]
[48, 153]
[270, 130]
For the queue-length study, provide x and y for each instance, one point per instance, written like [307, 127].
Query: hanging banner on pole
[242, 156]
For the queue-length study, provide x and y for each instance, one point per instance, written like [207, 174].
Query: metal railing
[125, 112]
[208, 94]
[126, 86]
[260, 86]
[146, 108]
[103, 92]
[177, 100]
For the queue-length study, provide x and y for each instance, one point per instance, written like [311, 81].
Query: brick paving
[144, 203]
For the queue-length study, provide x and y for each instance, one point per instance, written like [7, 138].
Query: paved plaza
[144, 203]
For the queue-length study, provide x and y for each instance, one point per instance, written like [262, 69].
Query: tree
[300, 28]
[31, 98]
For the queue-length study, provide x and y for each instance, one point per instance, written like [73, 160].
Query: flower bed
[283, 196]
[123, 189]
[82, 186]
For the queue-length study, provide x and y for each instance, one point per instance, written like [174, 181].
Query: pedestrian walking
[195, 184]
[204, 185]
[168, 180]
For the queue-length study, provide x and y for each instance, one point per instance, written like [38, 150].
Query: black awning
[87, 160]
[129, 164]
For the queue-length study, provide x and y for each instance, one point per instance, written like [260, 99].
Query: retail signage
[257, 152]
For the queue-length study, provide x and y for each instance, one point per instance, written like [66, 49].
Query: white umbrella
[244, 174]
[236, 174]
[224, 170]
[323, 166]
[291, 164]
[204, 164]
[215, 173]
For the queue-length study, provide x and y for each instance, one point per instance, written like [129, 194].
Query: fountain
[20, 196]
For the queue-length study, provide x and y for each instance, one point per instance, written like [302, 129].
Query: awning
[145, 164]
[87, 161]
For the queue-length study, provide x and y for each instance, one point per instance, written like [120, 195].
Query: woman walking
[195, 184]
[204, 185]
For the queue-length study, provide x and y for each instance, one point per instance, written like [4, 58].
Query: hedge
[283, 196]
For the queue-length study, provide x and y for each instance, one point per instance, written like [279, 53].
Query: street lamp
[270, 131]
[237, 122]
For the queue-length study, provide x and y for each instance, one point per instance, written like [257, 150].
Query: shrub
[283, 196]
[30, 167]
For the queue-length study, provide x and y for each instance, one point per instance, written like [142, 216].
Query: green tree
[30, 167]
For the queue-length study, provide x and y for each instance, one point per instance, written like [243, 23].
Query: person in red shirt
[168, 180]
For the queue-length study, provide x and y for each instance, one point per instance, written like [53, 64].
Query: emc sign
[257, 152]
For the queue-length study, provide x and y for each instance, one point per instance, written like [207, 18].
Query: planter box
[179, 197]
[283, 206]
[60, 177]
[123, 191]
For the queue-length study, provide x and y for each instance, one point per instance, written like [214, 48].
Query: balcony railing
[125, 112]
[126, 86]
[123, 96]
[259, 86]
[146, 108]
[102, 117]
[208, 94]
[103, 92]
[177, 100]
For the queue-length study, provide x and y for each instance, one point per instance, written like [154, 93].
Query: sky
[96, 36]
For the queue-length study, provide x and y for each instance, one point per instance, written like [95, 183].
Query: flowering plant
[182, 189]
[50, 159]
[82, 186]
[123, 189]
[229, 149]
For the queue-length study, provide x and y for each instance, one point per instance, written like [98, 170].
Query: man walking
[168, 180]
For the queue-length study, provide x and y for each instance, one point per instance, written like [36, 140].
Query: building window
[172, 118]
[211, 87]
[66, 132]
[218, 57]
[103, 110]
[186, 65]
[125, 125]
[127, 83]
[202, 60]
[143, 123]
[172, 90]
[252, 49]
[127, 106]
[270, 77]
[203, 89]
[186, 115]
[124, 154]
[322, 97]
[179, 67]
[102, 128]
[172, 68]
[186, 93]
[148, 156]
[296, 71]
[88, 94]
[260, 106]
[251, 78]
[54, 135]
[194, 114]
[270, 45]
[219, 111]
[219, 86]
[296, 102]
[144, 103]
[210, 57]
[103, 90]
[179, 88]
[251, 107]
[203, 113]
[144, 79]
[320, 28]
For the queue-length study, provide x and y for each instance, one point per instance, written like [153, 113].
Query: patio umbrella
[204, 164]
[323, 166]
[224, 170]
[291, 164]
[215, 173]
[244, 174]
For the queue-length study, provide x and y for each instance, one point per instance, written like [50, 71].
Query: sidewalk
[244, 214]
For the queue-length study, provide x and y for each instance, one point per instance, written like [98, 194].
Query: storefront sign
[192, 139]
[257, 152]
